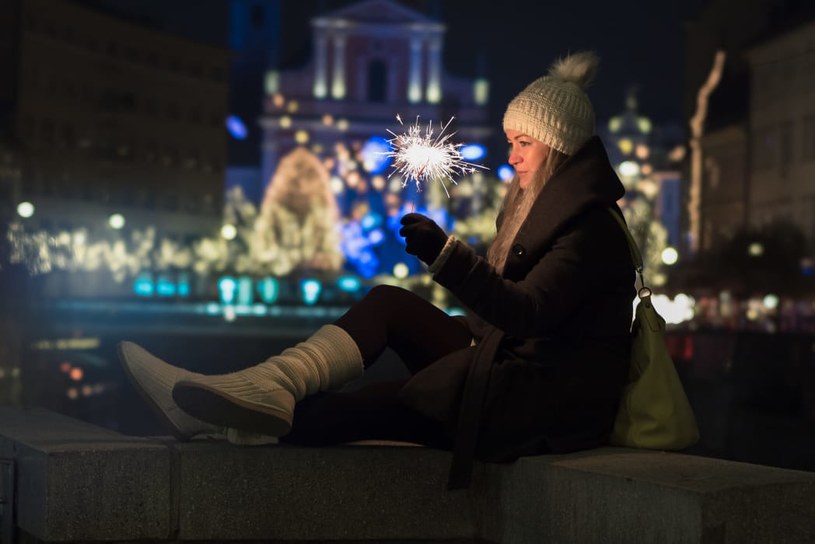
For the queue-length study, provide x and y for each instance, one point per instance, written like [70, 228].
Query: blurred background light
[269, 290]
[310, 289]
[506, 172]
[374, 155]
[227, 287]
[401, 270]
[165, 287]
[670, 255]
[472, 152]
[229, 232]
[25, 209]
[236, 127]
[116, 221]
[349, 284]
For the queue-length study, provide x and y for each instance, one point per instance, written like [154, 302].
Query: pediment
[376, 11]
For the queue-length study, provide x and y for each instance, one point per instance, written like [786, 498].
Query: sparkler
[422, 156]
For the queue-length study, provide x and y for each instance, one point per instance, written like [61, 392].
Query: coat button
[518, 250]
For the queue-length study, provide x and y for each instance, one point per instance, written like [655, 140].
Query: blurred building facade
[103, 115]
[782, 128]
[371, 61]
[748, 125]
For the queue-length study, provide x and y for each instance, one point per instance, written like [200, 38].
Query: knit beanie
[555, 109]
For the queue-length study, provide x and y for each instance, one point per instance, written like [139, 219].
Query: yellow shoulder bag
[654, 411]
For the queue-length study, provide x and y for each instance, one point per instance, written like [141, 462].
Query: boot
[154, 380]
[261, 398]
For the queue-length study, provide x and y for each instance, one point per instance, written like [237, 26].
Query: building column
[338, 76]
[434, 72]
[320, 87]
[415, 82]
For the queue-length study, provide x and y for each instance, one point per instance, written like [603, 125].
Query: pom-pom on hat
[555, 109]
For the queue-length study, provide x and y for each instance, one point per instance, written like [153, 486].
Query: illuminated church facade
[370, 61]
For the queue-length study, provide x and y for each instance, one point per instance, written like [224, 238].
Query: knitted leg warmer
[261, 398]
[154, 380]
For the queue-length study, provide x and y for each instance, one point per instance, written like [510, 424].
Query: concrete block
[79, 482]
[616, 495]
[347, 493]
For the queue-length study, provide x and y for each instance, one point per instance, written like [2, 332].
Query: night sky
[639, 41]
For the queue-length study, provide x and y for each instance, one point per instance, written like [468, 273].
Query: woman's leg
[371, 412]
[415, 329]
[419, 333]
[261, 398]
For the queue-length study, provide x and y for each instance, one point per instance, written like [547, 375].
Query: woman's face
[526, 155]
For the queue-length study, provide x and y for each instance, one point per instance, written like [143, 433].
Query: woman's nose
[514, 158]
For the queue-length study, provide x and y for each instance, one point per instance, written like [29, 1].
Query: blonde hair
[516, 206]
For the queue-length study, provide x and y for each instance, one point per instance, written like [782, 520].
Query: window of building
[377, 81]
[765, 148]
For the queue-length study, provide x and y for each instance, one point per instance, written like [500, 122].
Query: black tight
[415, 329]
[419, 333]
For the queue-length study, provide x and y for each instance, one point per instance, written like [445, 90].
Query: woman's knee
[388, 294]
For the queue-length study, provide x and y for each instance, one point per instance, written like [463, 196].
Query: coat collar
[584, 180]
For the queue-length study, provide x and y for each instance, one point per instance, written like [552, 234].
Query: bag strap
[636, 256]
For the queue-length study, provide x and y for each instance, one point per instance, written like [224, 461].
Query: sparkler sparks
[422, 156]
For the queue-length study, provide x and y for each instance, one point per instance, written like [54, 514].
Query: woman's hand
[423, 237]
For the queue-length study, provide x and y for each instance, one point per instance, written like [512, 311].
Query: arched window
[377, 81]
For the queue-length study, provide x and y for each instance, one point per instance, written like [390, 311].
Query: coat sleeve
[557, 284]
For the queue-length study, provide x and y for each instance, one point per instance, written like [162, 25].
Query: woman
[539, 364]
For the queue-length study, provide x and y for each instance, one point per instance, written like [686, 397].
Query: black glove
[423, 237]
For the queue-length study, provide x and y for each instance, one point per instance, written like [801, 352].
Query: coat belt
[471, 409]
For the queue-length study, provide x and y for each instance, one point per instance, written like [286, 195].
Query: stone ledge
[380, 493]
[77, 482]
[618, 495]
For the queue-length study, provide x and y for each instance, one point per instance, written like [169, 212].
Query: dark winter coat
[557, 323]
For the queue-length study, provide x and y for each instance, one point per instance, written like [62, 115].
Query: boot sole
[168, 423]
[220, 408]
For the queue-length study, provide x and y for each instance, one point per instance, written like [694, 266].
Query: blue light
[376, 236]
[236, 127]
[370, 221]
[311, 291]
[245, 291]
[183, 286]
[227, 287]
[374, 156]
[269, 290]
[349, 284]
[472, 152]
[506, 172]
[165, 286]
[143, 285]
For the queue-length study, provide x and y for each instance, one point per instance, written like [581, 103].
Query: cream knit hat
[555, 109]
